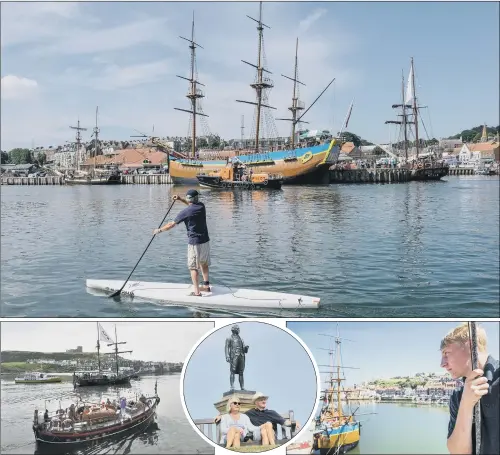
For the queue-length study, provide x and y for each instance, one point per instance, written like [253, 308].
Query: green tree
[42, 159]
[20, 156]
[351, 137]
[5, 157]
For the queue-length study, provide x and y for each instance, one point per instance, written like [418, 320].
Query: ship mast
[415, 107]
[115, 344]
[96, 135]
[404, 122]
[98, 350]
[335, 381]
[262, 83]
[78, 141]
[296, 104]
[194, 93]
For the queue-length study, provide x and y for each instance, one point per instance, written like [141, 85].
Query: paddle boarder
[194, 217]
[480, 385]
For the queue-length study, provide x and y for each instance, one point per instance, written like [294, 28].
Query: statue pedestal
[243, 396]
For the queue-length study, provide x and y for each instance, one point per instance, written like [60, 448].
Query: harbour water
[422, 249]
[170, 433]
[400, 428]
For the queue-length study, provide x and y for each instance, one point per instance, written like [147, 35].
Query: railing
[212, 430]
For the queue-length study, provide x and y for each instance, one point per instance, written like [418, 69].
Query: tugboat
[100, 377]
[84, 423]
[237, 176]
[37, 378]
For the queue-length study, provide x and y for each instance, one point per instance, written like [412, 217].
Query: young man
[481, 384]
[195, 219]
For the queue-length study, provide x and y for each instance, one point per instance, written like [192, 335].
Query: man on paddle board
[194, 217]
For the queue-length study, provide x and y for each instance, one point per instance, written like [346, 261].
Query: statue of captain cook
[235, 355]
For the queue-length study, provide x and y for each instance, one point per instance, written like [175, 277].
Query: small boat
[87, 423]
[37, 378]
[100, 377]
[237, 176]
[219, 297]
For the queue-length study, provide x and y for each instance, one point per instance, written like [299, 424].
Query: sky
[276, 365]
[383, 350]
[149, 341]
[124, 58]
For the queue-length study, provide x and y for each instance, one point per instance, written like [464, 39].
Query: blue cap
[192, 193]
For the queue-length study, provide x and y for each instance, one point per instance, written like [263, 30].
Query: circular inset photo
[250, 387]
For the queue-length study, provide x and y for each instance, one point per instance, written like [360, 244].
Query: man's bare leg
[204, 272]
[194, 279]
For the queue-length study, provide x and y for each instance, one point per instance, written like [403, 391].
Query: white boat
[37, 378]
[219, 297]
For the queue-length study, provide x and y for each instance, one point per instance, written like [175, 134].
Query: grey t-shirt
[490, 412]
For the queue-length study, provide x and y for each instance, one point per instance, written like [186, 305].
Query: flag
[409, 87]
[103, 335]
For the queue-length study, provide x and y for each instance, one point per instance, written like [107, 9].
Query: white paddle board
[220, 296]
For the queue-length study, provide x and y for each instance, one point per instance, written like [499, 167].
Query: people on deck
[194, 217]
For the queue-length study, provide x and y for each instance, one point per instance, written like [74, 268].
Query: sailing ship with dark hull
[300, 163]
[84, 424]
[424, 165]
[101, 377]
[91, 176]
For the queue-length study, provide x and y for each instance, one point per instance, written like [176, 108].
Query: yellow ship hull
[342, 439]
[292, 165]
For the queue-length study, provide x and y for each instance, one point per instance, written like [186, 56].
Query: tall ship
[425, 162]
[336, 429]
[91, 175]
[297, 162]
[101, 377]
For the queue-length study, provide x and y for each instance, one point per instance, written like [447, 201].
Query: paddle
[117, 293]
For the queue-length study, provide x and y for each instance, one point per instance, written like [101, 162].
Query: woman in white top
[234, 425]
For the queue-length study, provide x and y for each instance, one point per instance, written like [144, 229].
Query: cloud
[305, 24]
[127, 65]
[15, 87]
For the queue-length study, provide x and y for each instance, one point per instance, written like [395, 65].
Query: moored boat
[304, 162]
[37, 378]
[102, 377]
[238, 176]
[336, 431]
[84, 423]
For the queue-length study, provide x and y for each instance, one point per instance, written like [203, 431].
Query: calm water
[425, 249]
[171, 433]
[400, 429]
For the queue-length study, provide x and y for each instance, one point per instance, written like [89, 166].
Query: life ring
[265, 182]
[306, 157]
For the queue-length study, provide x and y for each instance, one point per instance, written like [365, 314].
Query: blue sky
[384, 349]
[276, 364]
[124, 58]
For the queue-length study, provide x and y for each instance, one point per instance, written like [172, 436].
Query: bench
[212, 430]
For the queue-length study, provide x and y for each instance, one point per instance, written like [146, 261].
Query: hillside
[23, 356]
[474, 134]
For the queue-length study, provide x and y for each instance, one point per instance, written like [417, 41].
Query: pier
[51, 180]
[461, 171]
[381, 175]
[146, 179]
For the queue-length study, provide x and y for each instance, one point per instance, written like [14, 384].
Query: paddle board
[220, 296]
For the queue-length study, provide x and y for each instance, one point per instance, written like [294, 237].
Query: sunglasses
[234, 402]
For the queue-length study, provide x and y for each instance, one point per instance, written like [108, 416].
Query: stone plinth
[244, 397]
